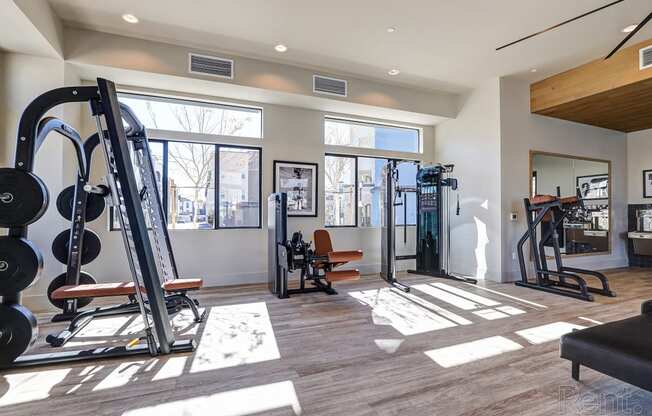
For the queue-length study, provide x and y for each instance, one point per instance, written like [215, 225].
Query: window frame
[165, 177]
[371, 123]
[357, 186]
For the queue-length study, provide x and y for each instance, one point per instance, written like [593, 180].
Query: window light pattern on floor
[547, 333]
[241, 402]
[31, 386]
[407, 316]
[472, 351]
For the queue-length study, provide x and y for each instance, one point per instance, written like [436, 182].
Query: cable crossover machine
[433, 242]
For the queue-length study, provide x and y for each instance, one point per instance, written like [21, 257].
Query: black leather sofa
[621, 349]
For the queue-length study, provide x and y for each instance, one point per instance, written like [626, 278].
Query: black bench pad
[621, 349]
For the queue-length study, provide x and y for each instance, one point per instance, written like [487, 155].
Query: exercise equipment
[149, 260]
[548, 213]
[23, 198]
[91, 247]
[433, 221]
[95, 203]
[61, 281]
[20, 264]
[316, 266]
[620, 349]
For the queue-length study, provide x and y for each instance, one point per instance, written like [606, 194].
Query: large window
[354, 194]
[186, 173]
[340, 132]
[340, 191]
[161, 113]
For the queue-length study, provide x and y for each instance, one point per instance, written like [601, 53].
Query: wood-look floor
[339, 357]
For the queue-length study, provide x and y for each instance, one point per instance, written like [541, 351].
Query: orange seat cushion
[569, 200]
[340, 275]
[344, 256]
[105, 290]
[542, 199]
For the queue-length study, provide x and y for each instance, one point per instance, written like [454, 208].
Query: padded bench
[103, 290]
[621, 349]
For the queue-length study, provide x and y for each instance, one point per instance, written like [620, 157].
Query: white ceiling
[439, 44]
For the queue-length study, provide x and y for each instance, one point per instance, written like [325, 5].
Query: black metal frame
[316, 185]
[555, 212]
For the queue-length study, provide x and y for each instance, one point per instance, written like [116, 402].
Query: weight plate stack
[95, 204]
[18, 332]
[20, 264]
[23, 198]
[60, 281]
[91, 247]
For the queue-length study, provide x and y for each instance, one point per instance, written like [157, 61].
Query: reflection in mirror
[586, 228]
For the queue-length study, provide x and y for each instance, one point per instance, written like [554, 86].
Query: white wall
[639, 158]
[521, 132]
[472, 142]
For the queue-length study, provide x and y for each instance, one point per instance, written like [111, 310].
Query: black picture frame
[647, 184]
[314, 192]
[587, 179]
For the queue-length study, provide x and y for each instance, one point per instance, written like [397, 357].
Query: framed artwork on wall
[593, 186]
[647, 183]
[299, 181]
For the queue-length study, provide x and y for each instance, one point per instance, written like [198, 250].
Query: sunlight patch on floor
[547, 333]
[235, 335]
[465, 294]
[447, 297]
[172, 367]
[241, 402]
[120, 376]
[390, 346]
[510, 310]
[593, 321]
[490, 314]
[514, 298]
[402, 313]
[31, 386]
[472, 351]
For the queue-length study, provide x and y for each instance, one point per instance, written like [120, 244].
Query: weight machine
[433, 184]
[24, 199]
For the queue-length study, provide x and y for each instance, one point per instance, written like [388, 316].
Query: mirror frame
[591, 159]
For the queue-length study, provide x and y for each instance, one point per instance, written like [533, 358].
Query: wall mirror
[586, 230]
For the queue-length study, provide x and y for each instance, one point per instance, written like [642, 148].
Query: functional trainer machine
[24, 199]
[315, 265]
[433, 184]
[548, 213]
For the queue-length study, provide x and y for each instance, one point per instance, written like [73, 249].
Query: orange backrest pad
[323, 244]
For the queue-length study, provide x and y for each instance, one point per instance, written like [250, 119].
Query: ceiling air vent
[210, 65]
[330, 86]
[646, 57]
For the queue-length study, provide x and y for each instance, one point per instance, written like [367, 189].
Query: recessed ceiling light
[129, 18]
[629, 28]
[533, 70]
[391, 29]
[393, 72]
[280, 48]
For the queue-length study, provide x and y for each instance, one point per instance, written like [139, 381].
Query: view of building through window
[340, 191]
[239, 196]
[371, 136]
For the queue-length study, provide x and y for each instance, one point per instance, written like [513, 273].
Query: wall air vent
[645, 57]
[210, 65]
[330, 86]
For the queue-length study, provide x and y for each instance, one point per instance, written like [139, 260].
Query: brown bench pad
[344, 256]
[340, 275]
[105, 290]
[542, 199]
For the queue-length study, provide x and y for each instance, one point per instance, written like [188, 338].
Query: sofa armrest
[646, 307]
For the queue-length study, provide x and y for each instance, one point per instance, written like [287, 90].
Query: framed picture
[593, 186]
[299, 181]
[647, 183]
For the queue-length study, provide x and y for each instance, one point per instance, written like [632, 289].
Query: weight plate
[18, 331]
[23, 198]
[20, 264]
[90, 251]
[59, 281]
[95, 204]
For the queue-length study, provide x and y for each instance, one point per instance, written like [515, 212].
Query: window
[340, 172]
[186, 173]
[356, 182]
[160, 113]
[371, 136]
[239, 196]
